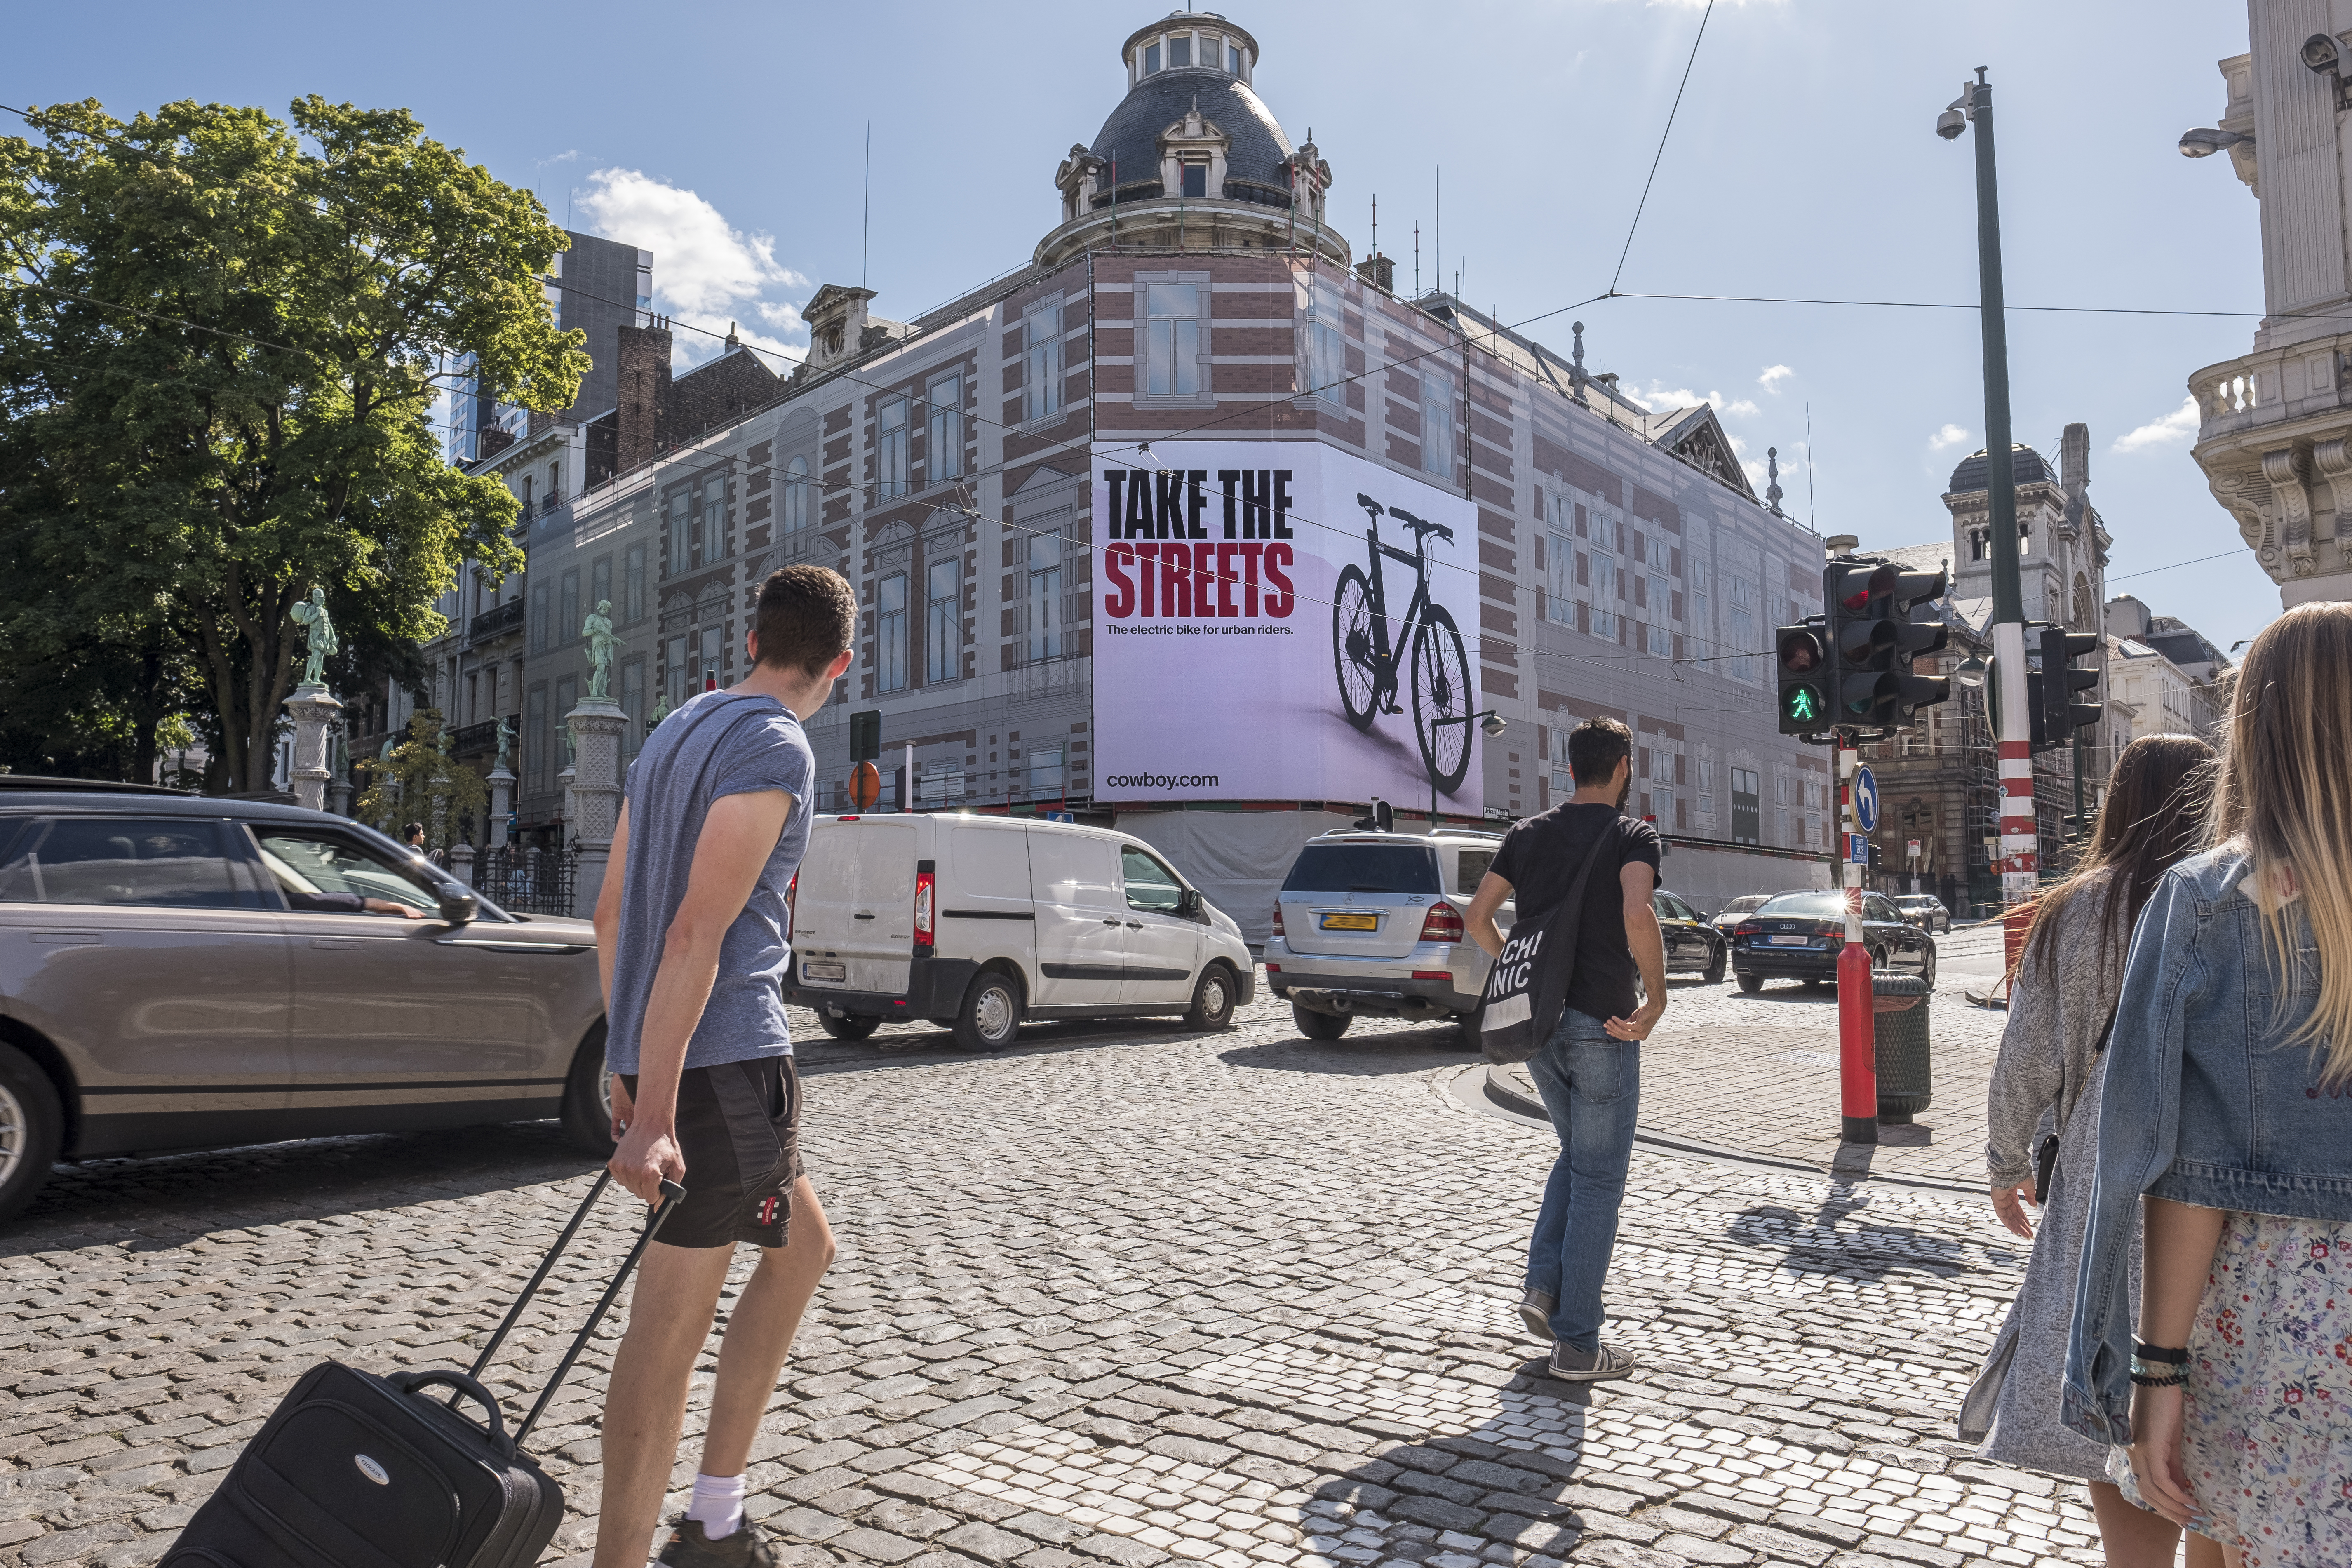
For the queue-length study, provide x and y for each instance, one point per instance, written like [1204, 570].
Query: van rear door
[1359, 898]
[854, 916]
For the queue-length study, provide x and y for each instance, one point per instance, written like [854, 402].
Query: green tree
[222, 336]
[420, 782]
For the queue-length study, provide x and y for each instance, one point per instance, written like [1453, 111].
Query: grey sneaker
[748, 1547]
[1535, 1312]
[1589, 1366]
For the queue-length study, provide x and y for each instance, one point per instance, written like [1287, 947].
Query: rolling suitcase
[359, 1470]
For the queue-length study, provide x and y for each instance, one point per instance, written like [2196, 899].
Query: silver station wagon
[181, 973]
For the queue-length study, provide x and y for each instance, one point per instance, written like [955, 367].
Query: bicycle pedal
[1390, 708]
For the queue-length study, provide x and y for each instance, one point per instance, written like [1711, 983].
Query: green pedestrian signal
[1804, 677]
[1804, 705]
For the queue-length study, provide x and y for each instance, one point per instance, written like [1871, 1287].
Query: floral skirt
[2267, 1417]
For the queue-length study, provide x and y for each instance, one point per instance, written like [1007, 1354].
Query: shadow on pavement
[165, 1201]
[1825, 1245]
[1367, 1055]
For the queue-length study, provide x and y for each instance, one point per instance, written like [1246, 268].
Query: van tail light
[1277, 919]
[1443, 923]
[925, 894]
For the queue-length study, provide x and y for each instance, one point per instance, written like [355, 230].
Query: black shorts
[738, 1126]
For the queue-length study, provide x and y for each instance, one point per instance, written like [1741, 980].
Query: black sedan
[1798, 936]
[1691, 941]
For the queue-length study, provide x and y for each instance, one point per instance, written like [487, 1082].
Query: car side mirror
[458, 907]
[1188, 903]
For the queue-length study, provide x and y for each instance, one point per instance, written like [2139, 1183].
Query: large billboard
[1282, 621]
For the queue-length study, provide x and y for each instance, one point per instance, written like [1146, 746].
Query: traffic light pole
[1857, 1024]
[2019, 838]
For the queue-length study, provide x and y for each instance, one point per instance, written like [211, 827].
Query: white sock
[718, 1504]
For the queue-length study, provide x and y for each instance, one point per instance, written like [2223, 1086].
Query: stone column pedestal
[502, 783]
[461, 862]
[313, 710]
[595, 794]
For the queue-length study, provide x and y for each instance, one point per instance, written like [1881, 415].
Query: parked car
[1371, 922]
[1692, 941]
[179, 972]
[1924, 910]
[979, 923]
[1732, 913]
[1798, 936]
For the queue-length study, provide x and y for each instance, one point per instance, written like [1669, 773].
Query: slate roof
[1131, 134]
[2026, 468]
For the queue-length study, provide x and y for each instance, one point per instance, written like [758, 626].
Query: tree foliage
[421, 781]
[221, 340]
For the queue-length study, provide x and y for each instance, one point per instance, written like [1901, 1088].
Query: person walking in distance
[691, 933]
[2225, 1127]
[1588, 1069]
[2059, 1004]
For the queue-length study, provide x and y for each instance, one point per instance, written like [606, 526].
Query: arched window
[797, 495]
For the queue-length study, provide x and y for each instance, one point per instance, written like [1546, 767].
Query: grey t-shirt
[719, 743]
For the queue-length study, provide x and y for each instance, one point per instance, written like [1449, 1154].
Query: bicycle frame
[1384, 654]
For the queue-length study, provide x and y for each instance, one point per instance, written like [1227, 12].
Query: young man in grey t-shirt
[692, 933]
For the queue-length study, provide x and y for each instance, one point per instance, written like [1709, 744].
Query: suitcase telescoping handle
[672, 1196]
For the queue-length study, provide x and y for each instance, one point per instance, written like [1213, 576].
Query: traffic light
[1804, 680]
[866, 735]
[1872, 641]
[2059, 715]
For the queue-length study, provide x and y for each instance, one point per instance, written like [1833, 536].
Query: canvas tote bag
[1528, 987]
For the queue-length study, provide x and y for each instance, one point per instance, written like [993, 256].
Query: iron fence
[528, 881]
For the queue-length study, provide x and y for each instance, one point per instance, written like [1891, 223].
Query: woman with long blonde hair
[2226, 1117]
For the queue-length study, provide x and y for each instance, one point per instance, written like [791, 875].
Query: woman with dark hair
[2059, 1006]
[2225, 1137]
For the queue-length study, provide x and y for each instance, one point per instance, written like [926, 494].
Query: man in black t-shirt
[1588, 1069]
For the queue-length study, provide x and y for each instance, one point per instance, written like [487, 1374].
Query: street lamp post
[2014, 736]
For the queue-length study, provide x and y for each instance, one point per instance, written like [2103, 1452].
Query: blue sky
[728, 139]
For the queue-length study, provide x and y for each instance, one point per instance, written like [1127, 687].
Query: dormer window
[1232, 58]
[1151, 58]
[1195, 179]
[1179, 50]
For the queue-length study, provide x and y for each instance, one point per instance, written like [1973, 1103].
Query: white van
[981, 922]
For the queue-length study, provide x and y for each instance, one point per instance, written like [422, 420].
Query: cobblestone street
[1237, 1298]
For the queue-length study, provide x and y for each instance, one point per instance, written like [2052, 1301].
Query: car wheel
[851, 1026]
[1751, 983]
[1320, 1026]
[1713, 973]
[32, 1129]
[990, 1018]
[1213, 1000]
[1928, 968]
[588, 1098]
[1878, 958]
[1469, 1028]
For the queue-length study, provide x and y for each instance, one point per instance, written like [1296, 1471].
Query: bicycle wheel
[1441, 690]
[1352, 647]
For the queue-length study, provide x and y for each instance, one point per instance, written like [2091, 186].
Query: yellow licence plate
[1351, 922]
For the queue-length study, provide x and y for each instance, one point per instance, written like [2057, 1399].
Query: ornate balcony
[2274, 439]
[500, 620]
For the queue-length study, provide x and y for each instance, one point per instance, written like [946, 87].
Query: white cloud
[1944, 440]
[1774, 374]
[705, 270]
[569, 155]
[1661, 398]
[2174, 429]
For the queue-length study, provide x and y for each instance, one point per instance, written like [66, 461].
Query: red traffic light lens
[1801, 652]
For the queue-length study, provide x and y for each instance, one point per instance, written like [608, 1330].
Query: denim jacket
[2202, 1102]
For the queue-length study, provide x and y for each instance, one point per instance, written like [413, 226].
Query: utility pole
[2013, 740]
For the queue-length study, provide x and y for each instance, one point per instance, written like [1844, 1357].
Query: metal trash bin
[1899, 1030]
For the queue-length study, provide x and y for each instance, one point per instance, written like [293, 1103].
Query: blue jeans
[1591, 1084]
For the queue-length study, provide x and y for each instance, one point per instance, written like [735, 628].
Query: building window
[1043, 768]
[1326, 343]
[1193, 179]
[1233, 58]
[1041, 335]
[890, 632]
[535, 737]
[1044, 596]
[711, 672]
[538, 614]
[944, 447]
[797, 495]
[632, 584]
[599, 581]
[1747, 802]
[567, 608]
[1605, 590]
[1694, 573]
[890, 448]
[1559, 566]
[943, 621]
[1173, 339]
[1179, 51]
[673, 673]
[1437, 425]
[674, 536]
[1151, 58]
[1743, 628]
[1705, 787]
[633, 704]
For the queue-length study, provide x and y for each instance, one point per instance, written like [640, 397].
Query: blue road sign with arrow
[1865, 799]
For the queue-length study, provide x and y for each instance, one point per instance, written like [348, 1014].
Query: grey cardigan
[2048, 1050]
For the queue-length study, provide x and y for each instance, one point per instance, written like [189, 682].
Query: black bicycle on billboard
[1426, 639]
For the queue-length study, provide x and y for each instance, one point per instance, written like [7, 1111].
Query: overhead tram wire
[1634, 228]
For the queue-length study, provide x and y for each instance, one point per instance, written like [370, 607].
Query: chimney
[1379, 271]
[642, 393]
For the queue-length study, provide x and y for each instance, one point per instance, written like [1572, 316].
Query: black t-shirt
[1541, 858]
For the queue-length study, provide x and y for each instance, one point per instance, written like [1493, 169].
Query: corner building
[1207, 665]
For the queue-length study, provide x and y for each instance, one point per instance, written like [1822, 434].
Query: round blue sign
[1865, 799]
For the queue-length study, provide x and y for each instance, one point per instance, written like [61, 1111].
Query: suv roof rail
[1409, 837]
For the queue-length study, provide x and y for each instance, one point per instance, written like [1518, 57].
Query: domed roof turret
[2025, 467]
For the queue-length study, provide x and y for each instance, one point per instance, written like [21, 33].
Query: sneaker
[688, 1547]
[1588, 1366]
[1535, 1312]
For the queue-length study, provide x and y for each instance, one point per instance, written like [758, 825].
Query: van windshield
[1363, 868]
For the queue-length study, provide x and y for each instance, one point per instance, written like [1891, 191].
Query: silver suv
[1371, 922]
